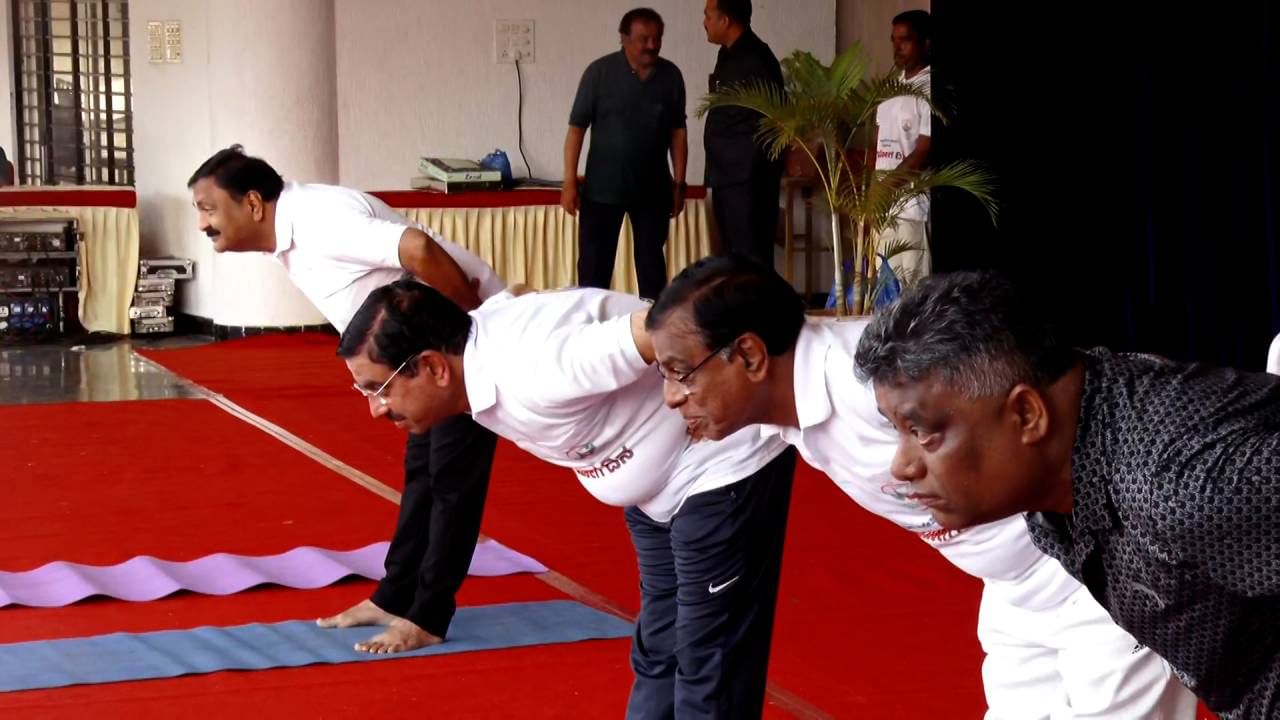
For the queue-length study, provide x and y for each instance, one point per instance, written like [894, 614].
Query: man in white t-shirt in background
[337, 245]
[567, 376]
[1052, 651]
[903, 139]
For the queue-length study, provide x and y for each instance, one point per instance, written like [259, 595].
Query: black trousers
[708, 590]
[598, 228]
[747, 216]
[446, 479]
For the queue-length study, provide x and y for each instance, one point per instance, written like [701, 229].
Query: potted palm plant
[827, 112]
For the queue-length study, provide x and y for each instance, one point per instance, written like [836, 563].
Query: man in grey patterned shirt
[1156, 484]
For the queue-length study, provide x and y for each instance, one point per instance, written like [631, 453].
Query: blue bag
[497, 160]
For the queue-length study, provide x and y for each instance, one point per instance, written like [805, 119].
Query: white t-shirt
[843, 434]
[558, 373]
[338, 245]
[901, 122]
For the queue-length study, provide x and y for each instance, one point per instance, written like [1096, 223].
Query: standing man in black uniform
[743, 180]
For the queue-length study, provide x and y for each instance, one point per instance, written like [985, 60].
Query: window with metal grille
[72, 94]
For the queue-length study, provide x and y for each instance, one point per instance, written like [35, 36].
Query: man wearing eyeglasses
[1052, 651]
[337, 245]
[566, 376]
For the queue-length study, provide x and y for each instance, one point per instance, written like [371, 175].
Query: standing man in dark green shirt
[634, 103]
[744, 182]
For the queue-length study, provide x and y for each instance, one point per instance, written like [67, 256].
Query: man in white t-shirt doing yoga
[337, 245]
[567, 376]
[1052, 651]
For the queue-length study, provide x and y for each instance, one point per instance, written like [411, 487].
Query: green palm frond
[883, 200]
[756, 95]
[847, 71]
[906, 276]
[871, 95]
[826, 111]
[896, 247]
[876, 284]
[806, 77]
[782, 123]
[972, 178]
[826, 94]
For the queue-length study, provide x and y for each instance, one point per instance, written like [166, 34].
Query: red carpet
[872, 623]
[106, 481]
[98, 483]
[297, 382]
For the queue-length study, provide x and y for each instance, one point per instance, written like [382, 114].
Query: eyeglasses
[683, 378]
[377, 394]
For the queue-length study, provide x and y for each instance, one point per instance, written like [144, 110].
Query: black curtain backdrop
[1136, 151]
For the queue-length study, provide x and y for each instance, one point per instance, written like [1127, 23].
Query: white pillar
[273, 89]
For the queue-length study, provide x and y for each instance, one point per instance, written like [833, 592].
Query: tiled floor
[63, 372]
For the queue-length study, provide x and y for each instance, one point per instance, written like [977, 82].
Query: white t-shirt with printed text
[900, 122]
[558, 373]
[842, 433]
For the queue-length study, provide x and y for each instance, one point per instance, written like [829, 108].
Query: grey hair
[970, 330]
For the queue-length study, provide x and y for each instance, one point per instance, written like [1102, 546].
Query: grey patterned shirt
[1175, 524]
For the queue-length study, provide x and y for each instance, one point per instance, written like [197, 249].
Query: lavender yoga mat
[146, 578]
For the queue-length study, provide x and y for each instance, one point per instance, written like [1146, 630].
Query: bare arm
[679, 166]
[572, 152]
[919, 157]
[641, 336]
[868, 158]
[423, 256]
[679, 154]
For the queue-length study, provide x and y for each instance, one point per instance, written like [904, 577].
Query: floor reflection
[89, 373]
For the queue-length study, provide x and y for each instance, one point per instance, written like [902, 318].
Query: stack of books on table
[449, 175]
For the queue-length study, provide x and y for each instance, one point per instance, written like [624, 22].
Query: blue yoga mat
[170, 653]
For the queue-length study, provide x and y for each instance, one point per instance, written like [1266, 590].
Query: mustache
[212, 233]
[394, 416]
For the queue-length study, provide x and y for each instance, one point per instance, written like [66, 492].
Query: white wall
[8, 137]
[172, 121]
[869, 22]
[418, 77]
[238, 82]
[411, 77]
[273, 92]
